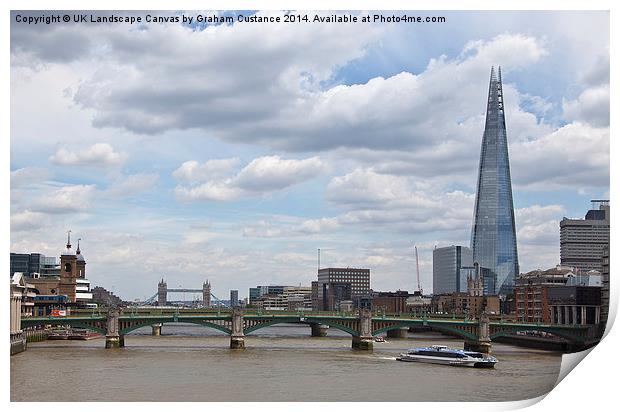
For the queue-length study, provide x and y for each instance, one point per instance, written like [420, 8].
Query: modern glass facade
[448, 269]
[493, 235]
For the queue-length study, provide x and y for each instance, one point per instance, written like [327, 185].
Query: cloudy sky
[232, 152]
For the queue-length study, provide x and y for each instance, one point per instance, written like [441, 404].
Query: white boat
[443, 355]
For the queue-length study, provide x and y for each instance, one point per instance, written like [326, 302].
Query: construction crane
[417, 265]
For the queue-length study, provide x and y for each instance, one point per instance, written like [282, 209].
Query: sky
[233, 152]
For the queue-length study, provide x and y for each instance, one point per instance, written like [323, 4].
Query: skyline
[339, 159]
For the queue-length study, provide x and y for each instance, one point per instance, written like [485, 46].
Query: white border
[589, 387]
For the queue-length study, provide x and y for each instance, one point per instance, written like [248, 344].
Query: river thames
[280, 363]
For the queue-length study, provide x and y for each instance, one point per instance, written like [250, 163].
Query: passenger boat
[83, 334]
[59, 334]
[443, 355]
[379, 339]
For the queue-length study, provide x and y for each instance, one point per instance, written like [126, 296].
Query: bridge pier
[483, 344]
[318, 330]
[400, 333]
[113, 339]
[362, 343]
[237, 338]
[156, 329]
[365, 340]
[477, 346]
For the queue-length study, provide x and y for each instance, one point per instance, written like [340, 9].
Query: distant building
[582, 240]
[359, 279]
[254, 295]
[531, 292]
[390, 302]
[68, 280]
[333, 293]
[234, 298]
[471, 303]
[31, 263]
[575, 305]
[258, 291]
[418, 304]
[605, 285]
[293, 298]
[451, 266]
[103, 297]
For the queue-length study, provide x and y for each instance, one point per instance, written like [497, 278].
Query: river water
[280, 363]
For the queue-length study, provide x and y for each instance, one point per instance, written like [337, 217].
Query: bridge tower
[162, 293]
[206, 294]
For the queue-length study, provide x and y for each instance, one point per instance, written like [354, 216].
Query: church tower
[68, 272]
[81, 263]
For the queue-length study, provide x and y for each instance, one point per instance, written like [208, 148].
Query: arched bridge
[363, 326]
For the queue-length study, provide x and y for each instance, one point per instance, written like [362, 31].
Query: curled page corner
[569, 361]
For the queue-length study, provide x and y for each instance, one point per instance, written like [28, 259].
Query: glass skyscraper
[493, 235]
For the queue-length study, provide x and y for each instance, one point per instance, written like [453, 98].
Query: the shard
[493, 235]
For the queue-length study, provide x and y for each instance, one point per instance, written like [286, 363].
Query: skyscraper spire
[493, 236]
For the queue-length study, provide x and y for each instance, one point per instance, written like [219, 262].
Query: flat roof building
[358, 278]
[582, 240]
[451, 266]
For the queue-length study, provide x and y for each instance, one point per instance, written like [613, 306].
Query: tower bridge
[208, 298]
[363, 326]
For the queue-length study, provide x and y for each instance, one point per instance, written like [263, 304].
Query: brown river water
[280, 363]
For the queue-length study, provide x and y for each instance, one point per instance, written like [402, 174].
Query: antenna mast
[417, 265]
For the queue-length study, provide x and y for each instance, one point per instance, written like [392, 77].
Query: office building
[605, 285]
[451, 266]
[292, 298]
[493, 235]
[582, 240]
[358, 278]
[234, 298]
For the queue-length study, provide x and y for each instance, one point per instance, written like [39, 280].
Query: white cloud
[98, 155]
[27, 220]
[576, 155]
[192, 171]
[28, 175]
[133, 185]
[592, 106]
[262, 175]
[66, 199]
[270, 173]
